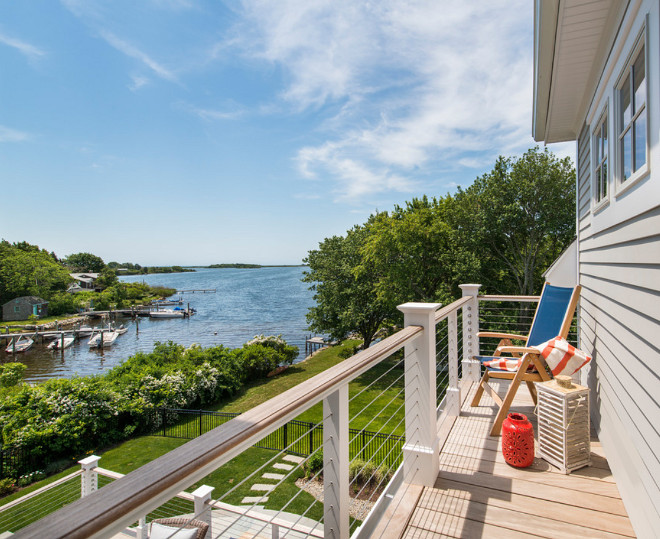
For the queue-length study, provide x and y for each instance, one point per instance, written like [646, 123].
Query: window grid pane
[640, 140]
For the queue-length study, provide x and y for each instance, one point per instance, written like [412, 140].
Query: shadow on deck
[476, 494]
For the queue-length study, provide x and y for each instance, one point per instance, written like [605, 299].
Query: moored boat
[59, 343]
[21, 344]
[107, 337]
[168, 313]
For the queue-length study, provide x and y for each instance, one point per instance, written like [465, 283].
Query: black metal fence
[300, 438]
[15, 462]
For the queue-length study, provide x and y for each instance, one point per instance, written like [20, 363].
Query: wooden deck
[477, 494]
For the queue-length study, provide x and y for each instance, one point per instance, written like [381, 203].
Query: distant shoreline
[250, 266]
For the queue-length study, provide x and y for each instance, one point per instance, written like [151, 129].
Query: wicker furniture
[563, 424]
[183, 522]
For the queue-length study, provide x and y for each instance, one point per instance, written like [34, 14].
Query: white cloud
[132, 51]
[415, 83]
[138, 81]
[232, 112]
[28, 50]
[12, 135]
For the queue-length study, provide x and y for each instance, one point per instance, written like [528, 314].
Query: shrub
[11, 374]
[7, 486]
[361, 472]
[62, 418]
[314, 464]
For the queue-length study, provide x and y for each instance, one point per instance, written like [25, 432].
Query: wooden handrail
[109, 510]
[443, 313]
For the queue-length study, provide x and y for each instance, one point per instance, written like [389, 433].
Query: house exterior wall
[619, 270]
[21, 309]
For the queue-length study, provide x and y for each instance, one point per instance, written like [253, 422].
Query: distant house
[84, 282]
[22, 308]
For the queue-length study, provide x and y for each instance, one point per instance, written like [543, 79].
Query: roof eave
[545, 32]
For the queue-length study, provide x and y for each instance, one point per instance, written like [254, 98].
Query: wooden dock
[202, 290]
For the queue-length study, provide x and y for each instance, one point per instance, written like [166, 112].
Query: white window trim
[622, 186]
[598, 205]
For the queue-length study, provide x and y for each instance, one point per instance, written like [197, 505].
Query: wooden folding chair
[553, 317]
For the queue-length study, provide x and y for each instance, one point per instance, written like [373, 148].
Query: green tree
[519, 217]
[417, 253]
[345, 297]
[26, 270]
[85, 262]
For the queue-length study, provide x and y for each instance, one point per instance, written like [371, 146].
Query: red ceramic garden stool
[518, 441]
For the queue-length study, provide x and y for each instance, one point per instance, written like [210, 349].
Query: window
[632, 117]
[600, 160]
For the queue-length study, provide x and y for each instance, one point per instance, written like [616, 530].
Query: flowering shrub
[66, 417]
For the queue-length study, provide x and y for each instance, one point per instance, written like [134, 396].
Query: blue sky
[199, 132]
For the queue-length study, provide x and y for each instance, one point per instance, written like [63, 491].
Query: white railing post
[202, 507]
[89, 480]
[335, 465]
[453, 407]
[471, 366]
[142, 530]
[420, 452]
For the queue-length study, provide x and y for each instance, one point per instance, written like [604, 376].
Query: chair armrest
[501, 335]
[518, 349]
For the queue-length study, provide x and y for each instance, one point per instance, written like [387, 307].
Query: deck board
[477, 494]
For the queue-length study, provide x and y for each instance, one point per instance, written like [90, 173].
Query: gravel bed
[358, 509]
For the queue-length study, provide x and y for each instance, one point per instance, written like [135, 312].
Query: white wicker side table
[563, 424]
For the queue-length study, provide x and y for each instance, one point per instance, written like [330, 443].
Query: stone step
[261, 486]
[293, 458]
[282, 466]
[274, 476]
[254, 499]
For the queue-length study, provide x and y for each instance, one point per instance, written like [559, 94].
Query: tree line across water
[503, 232]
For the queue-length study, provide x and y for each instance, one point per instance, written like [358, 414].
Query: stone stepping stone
[273, 476]
[254, 499]
[282, 466]
[261, 486]
[293, 458]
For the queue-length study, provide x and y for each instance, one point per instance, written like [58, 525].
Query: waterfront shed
[597, 82]
[25, 306]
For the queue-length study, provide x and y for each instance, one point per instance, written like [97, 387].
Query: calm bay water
[247, 302]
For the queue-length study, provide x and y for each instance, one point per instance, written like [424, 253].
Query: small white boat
[167, 313]
[121, 330]
[60, 343]
[21, 344]
[109, 338]
[84, 331]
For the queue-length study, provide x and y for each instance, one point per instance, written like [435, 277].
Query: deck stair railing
[408, 384]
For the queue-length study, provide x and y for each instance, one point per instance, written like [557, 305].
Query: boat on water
[121, 329]
[84, 331]
[20, 344]
[59, 343]
[108, 337]
[168, 313]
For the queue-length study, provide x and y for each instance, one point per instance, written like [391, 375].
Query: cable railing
[398, 398]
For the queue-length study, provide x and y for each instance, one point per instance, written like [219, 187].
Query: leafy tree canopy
[503, 232]
[26, 270]
[343, 286]
[80, 262]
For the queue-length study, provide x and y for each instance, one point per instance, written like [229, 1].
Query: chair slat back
[553, 314]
